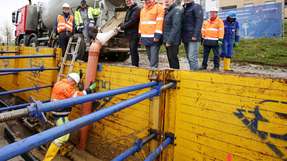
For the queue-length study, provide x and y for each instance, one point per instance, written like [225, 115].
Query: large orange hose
[91, 73]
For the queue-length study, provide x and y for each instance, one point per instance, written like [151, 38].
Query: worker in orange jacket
[64, 89]
[151, 29]
[212, 34]
[65, 25]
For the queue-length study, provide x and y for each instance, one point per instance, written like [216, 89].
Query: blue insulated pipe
[37, 108]
[27, 56]
[9, 151]
[17, 70]
[153, 155]
[24, 90]
[137, 147]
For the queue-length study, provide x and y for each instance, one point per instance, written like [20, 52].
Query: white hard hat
[75, 77]
[66, 5]
[214, 9]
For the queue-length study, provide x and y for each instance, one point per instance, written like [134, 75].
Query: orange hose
[91, 73]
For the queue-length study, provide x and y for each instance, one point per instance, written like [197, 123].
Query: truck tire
[22, 42]
[33, 42]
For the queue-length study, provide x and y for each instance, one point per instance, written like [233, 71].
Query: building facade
[229, 4]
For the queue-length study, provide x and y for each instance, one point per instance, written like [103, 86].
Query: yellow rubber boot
[228, 60]
[225, 64]
[52, 152]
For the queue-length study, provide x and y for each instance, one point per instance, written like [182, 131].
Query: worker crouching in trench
[64, 89]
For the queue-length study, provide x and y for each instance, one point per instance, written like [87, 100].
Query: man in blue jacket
[172, 31]
[231, 38]
[130, 26]
[191, 31]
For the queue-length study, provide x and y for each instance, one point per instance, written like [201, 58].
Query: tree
[7, 33]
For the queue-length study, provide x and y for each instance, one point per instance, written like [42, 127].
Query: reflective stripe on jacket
[65, 24]
[213, 30]
[78, 17]
[151, 23]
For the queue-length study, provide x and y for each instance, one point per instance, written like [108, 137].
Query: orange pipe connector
[91, 73]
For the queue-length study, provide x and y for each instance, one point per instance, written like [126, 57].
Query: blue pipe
[7, 73]
[9, 151]
[15, 107]
[136, 148]
[39, 69]
[54, 106]
[27, 56]
[152, 156]
[24, 90]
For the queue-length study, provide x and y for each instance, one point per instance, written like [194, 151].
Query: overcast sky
[8, 7]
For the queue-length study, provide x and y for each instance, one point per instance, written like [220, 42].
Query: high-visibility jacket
[64, 24]
[213, 30]
[92, 13]
[151, 23]
[62, 90]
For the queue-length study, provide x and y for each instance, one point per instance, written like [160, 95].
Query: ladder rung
[67, 64]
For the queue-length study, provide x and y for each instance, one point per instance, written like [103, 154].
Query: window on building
[270, 1]
[248, 4]
[228, 7]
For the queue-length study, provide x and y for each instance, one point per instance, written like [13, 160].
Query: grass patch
[265, 51]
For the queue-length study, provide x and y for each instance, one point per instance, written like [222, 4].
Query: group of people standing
[83, 21]
[169, 24]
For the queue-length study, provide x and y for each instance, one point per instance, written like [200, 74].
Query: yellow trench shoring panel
[213, 116]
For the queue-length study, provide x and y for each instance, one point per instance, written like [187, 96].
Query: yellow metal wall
[29, 79]
[207, 127]
[213, 116]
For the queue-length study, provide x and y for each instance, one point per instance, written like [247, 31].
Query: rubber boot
[227, 64]
[52, 152]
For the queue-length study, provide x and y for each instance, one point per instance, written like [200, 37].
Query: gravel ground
[240, 68]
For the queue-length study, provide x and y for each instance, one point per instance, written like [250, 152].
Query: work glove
[220, 42]
[91, 88]
[80, 28]
[91, 25]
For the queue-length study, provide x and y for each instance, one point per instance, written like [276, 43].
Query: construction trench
[140, 114]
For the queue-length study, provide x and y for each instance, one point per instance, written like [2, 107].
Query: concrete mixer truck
[35, 24]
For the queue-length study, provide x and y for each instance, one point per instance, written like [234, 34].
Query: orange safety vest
[151, 20]
[64, 89]
[213, 30]
[65, 25]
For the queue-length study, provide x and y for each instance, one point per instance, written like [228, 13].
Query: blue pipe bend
[9, 151]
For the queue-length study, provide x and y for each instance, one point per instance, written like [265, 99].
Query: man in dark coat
[191, 31]
[130, 26]
[172, 31]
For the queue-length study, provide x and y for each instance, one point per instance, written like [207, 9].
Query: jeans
[227, 49]
[134, 40]
[206, 51]
[172, 52]
[191, 49]
[153, 54]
